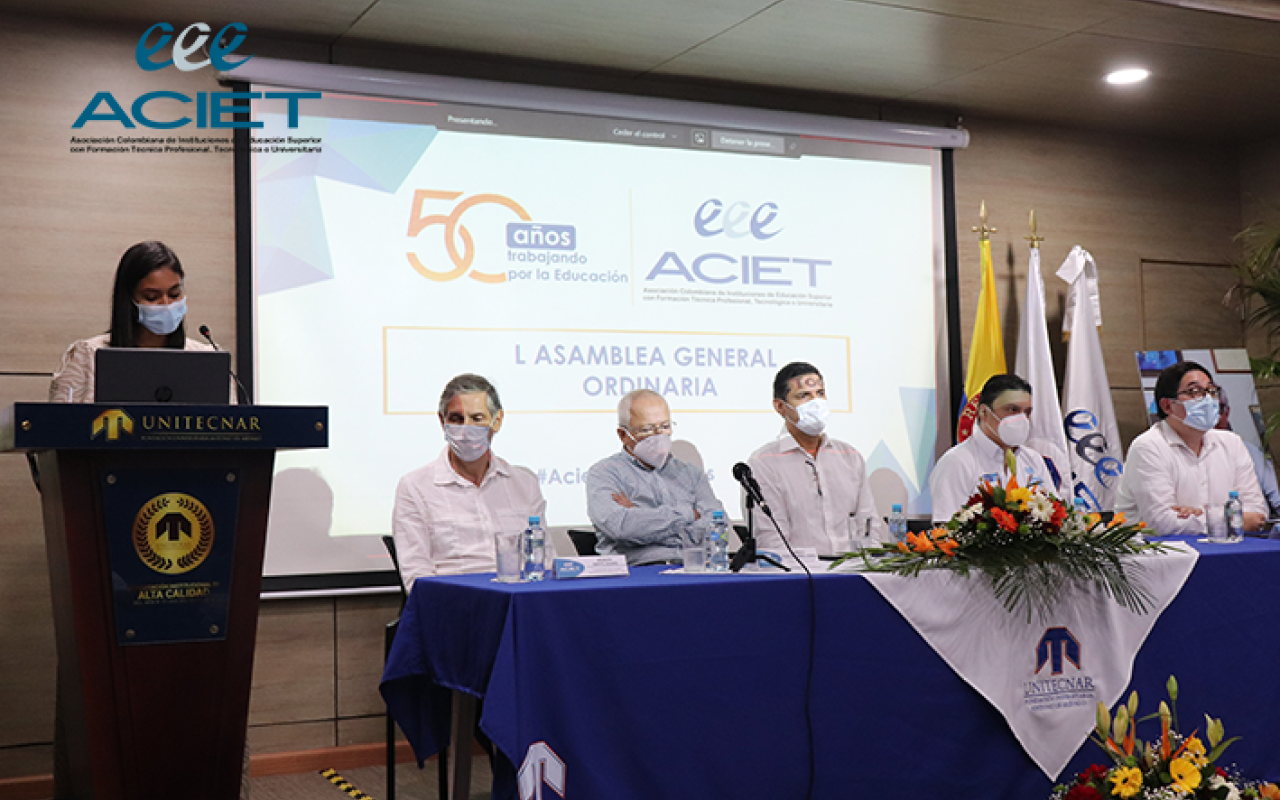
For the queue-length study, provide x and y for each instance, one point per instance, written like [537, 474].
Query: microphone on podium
[241, 392]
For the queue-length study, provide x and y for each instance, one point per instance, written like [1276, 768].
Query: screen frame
[323, 77]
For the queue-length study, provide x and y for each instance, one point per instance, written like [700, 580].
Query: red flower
[1082, 791]
[1222, 773]
[1005, 519]
[1059, 514]
[1094, 773]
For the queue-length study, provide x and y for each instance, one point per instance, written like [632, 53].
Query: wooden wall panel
[65, 218]
[1124, 199]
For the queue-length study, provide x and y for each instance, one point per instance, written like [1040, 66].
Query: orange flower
[920, 543]
[1118, 519]
[1005, 519]
[948, 547]
[1269, 791]
[902, 547]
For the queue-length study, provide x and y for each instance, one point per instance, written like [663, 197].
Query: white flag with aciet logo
[1089, 419]
[1035, 366]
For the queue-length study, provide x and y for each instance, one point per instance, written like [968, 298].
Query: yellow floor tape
[342, 783]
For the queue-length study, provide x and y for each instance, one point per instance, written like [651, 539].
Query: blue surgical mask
[1202, 413]
[162, 320]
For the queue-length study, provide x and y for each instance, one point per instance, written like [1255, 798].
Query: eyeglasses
[1196, 392]
[650, 430]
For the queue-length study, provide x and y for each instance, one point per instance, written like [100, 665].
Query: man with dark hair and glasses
[643, 501]
[1182, 466]
[812, 483]
[994, 452]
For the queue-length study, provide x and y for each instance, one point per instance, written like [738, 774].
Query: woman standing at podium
[148, 305]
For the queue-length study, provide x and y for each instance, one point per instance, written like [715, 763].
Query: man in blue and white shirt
[643, 501]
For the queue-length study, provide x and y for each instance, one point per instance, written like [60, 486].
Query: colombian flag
[986, 351]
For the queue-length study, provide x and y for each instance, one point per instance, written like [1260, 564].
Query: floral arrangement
[1029, 545]
[1173, 766]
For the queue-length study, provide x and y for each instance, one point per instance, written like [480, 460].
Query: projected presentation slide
[570, 260]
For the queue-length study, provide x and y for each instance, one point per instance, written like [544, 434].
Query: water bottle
[718, 544]
[898, 523]
[1234, 513]
[535, 551]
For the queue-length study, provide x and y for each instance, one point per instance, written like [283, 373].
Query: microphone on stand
[742, 474]
[747, 553]
[241, 392]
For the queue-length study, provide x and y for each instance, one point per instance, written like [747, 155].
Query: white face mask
[652, 450]
[813, 416]
[1014, 429]
[162, 320]
[468, 442]
[1202, 413]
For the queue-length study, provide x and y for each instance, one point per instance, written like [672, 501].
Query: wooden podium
[155, 520]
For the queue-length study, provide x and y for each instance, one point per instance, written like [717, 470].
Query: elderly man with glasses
[1182, 466]
[643, 501]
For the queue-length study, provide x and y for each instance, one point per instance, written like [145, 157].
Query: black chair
[390, 543]
[584, 541]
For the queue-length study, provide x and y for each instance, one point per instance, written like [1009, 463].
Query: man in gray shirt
[642, 501]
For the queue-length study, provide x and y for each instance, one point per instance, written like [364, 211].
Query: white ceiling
[1214, 76]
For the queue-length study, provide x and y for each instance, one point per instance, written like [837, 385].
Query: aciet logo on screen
[159, 47]
[743, 228]
[536, 251]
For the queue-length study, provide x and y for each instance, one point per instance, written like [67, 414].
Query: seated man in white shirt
[813, 484]
[1181, 466]
[643, 501]
[993, 452]
[446, 513]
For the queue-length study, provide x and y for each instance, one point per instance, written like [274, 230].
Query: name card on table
[591, 567]
[809, 555]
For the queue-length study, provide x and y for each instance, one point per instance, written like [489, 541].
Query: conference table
[694, 686]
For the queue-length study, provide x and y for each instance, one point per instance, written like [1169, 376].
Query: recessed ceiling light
[1124, 76]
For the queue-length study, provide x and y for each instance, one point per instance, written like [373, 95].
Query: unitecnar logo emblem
[114, 422]
[173, 533]
[1056, 646]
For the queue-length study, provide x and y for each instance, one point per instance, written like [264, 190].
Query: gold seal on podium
[173, 533]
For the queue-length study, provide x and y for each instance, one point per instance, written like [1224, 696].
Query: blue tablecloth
[667, 686]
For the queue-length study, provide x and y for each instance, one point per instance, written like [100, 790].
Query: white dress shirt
[957, 474]
[811, 497]
[1162, 472]
[444, 524]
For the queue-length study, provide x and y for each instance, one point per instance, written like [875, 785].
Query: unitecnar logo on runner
[192, 49]
[536, 251]
[1058, 687]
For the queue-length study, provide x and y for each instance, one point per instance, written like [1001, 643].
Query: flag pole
[984, 232]
[1034, 239]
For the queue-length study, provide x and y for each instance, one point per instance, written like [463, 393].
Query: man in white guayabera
[994, 452]
[446, 513]
[1181, 465]
[814, 485]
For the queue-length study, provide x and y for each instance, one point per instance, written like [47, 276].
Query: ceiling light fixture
[1122, 77]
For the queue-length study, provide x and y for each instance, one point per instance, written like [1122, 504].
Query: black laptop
[162, 375]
